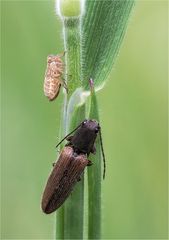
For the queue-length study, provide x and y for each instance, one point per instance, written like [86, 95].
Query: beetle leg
[65, 86]
[62, 54]
[79, 179]
[93, 149]
[89, 163]
[69, 138]
[75, 154]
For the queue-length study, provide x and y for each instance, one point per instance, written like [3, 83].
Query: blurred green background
[133, 112]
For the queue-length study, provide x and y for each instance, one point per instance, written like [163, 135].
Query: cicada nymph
[53, 77]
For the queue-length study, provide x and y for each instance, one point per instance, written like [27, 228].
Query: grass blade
[94, 181]
[74, 205]
[103, 28]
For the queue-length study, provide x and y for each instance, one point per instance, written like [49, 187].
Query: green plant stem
[74, 206]
[72, 49]
[60, 212]
[70, 217]
[94, 181]
[60, 223]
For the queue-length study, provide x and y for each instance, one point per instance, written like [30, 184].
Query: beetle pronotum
[71, 164]
[53, 76]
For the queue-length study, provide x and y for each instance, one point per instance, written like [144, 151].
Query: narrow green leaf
[103, 28]
[59, 234]
[74, 205]
[69, 224]
[94, 181]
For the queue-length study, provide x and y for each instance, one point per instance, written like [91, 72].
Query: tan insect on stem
[54, 76]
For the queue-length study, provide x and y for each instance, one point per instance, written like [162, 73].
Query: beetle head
[92, 125]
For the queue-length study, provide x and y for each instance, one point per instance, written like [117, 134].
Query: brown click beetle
[71, 164]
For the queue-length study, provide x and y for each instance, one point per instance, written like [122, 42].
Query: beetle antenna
[103, 155]
[68, 135]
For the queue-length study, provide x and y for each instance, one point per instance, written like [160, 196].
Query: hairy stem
[72, 49]
[60, 212]
[70, 217]
[74, 206]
